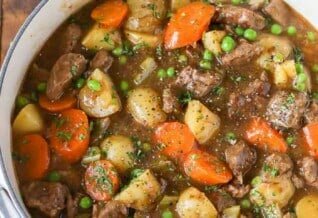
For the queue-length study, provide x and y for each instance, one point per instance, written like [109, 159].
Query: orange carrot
[261, 134]
[66, 102]
[69, 135]
[176, 137]
[205, 168]
[188, 25]
[310, 133]
[101, 180]
[32, 157]
[111, 13]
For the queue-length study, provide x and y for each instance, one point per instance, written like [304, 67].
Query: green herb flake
[63, 135]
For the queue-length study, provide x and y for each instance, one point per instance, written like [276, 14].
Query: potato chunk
[212, 41]
[141, 193]
[307, 207]
[193, 203]
[99, 103]
[144, 104]
[29, 120]
[120, 151]
[202, 122]
[143, 38]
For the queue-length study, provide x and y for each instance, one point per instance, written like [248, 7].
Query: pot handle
[7, 206]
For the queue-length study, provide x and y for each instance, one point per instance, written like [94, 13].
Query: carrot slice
[205, 168]
[176, 137]
[69, 135]
[261, 134]
[101, 180]
[310, 133]
[32, 157]
[110, 13]
[66, 102]
[188, 24]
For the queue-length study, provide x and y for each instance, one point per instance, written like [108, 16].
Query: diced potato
[307, 207]
[232, 212]
[143, 38]
[176, 4]
[281, 78]
[99, 38]
[120, 151]
[212, 41]
[103, 102]
[141, 193]
[144, 106]
[147, 67]
[201, 121]
[276, 45]
[278, 192]
[29, 120]
[193, 203]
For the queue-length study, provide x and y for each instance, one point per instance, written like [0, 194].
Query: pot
[38, 27]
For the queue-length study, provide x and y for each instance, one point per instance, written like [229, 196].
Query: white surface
[308, 8]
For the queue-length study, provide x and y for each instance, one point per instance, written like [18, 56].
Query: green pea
[118, 51]
[136, 173]
[85, 202]
[161, 73]
[228, 44]
[291, 31]
[171, 72]
[205, 64]
[239, 31]
[124, 85]
[311, 36]
[182, 59]
[236, 2]
[256, 181]
[300, 86]
[314, 68]
[167, 214]
[79, 83]
[276, 29]
[22, 101]
[54, 176]
[41, 87]
[250, 34]
[290, 139]
[302, 77]
[94, 85]
[122, 59]
[245, 204]
[207, 55]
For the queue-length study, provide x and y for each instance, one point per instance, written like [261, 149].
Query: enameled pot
[41, 23]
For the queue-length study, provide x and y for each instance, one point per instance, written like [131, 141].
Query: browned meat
[256, 4]
[238, 16]
[112, 209]
[311, 114]
[49, 198]
[297, 181]
[221, 199]
[67, 67]
[240, 158]
[242, 54]
[102, 60]
[238, 190]
[277, 165]
[99, 131]
[198, 83]
[170, 102]
[72, 178]
[254, 95]
[308, 169]
[279, 11]
[36, 75]
[286, 109]
[70, 38]
[72, 205]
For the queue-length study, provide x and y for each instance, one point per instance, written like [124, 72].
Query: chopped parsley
[21, 159]
[219, 90]
[290, 139]
[74, 70]
[299, 56]
[185, 98]
[230, 137]
[59, 121]
[155, 12]
[272, 171]
[63, 135]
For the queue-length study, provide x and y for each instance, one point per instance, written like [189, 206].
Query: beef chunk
[67, 67]
[286, 109]
[102, 60]
[170, 102]
[112, 209]
[198, 83]
[70, 39]
[277, 165]
[251, 100]
[279, 11]
[240, 158]
[256, 4]
[308, 169]
[221, 199]
[297, 181]
[49, 198]
[242, 54]
[238, 190]
[239, 16]
[311, 114]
